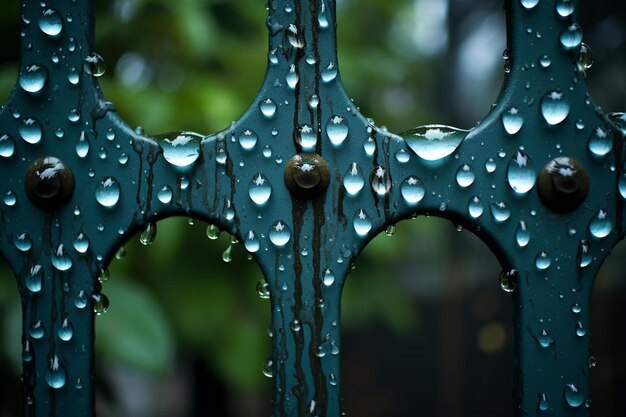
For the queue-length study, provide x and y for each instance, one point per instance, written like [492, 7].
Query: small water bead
[268, 368]
[361, 223]
[475, 207]
[37, 330]
[544, 339]
[307, 137]
[554, 108]
[600, 143]
[108, 192]
[500, 211]
[295, 39]
[148, 235]
[490, 165]
[512, 120]
[165, 194]
[252, 242]
[73, 76]
[314, 101]
[248, 139]
[212, 232]
[545, 61]
[354, 181]
[94, 65]
[434, 142]
[81, 243]
[51, 23]
[259, 189]
[542, 403]
[34, 279]
[279, 234]
[27, 354]
[573, 396]
[337, 130]
[180, 149]
[583, 257]
[465, 176]
[542, 261]
[82, 146]
[7, 146]
[10, 199]
[601, 225]
[380, 181]
[295, 325]
[585, 59]
[56, 376]
[104, 275]
[102, 153]
[268, 108]
[580, 330]
[369, 146]
[412, 190]
[322, 19]
[591, 362]
[66, 330]
[329, 73]
[23, 242]
[227, 255]
[402, 156]
[73, 116]
[571, 37]
[60, 258]
[521, 174]
[328, 278]
[292, 77]
[565, 7]
[522, 235]
[100, 303]
[508, 280]
[267, 151]
[183, 182]
[30, 130]
[33, 78]
[529, 4]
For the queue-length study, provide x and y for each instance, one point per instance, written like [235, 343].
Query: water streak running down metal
[539, 180]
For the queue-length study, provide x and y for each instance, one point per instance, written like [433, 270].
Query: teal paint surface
[484, 180]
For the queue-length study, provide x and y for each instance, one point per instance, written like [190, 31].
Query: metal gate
[540, 180]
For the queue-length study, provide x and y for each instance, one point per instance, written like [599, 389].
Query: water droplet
[554, 108]
[23, 242]
[27, 354]
[81, 300]
[583, 257]
[500, 212]
[571, 37]
[508, 280]
[121, 253]
[353, 181]
[212, 232]
[369, 146]
[475, 207]
[565, 7]
[529, 4]
[601, 225]
[391, 230]
[329, 277]
[512, 120]
[248, 139]
[434, 142]
[227, 255]
[60, 258]
[521, 174]
[403, 156]
[108, 192]
[251, 242]
[165, 194]
[30, 130]
[465, 176]
[522, 236]
[279, 234]
[66, 331]
[51, 23]
[55, 376]
[362, 224]
[591, 362]
[268, 108]
[82, 146]
[33, 78]
[542, 261]
[412, 190]
[322, 19]
[268, 368]
[9, 198]
[296, 326]
[94, 65]
[544, 339]
[490, 165]
[81, 243]
[104, 275]
[314, 101]
[180, 149]
[329, 73]
[149, 234]
[585, 59]
[34, 279]
[542, 403]
[580, 330]
[260, 189]
[73, 76]
[294, 37]
[545, 61]
[600, 143]
[307, 137]
[573, 396]
[292, 77]
[337, 130]
[380, 181]
[7, 146]
[100, 303]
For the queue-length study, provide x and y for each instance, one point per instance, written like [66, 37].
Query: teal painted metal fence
[540, 180]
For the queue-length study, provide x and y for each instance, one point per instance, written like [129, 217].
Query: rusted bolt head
[307, 175]
[49, 183]
[563, 184]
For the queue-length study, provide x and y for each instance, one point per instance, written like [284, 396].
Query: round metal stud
[563, 184]
[307, 175]
[49, 183]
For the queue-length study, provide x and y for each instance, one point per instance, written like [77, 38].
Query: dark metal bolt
[307, 175]
[563, 184]
[49, 183]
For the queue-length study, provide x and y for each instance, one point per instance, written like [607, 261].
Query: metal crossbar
[540, 180]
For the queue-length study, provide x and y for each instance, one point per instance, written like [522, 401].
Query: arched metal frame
[50, 114]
